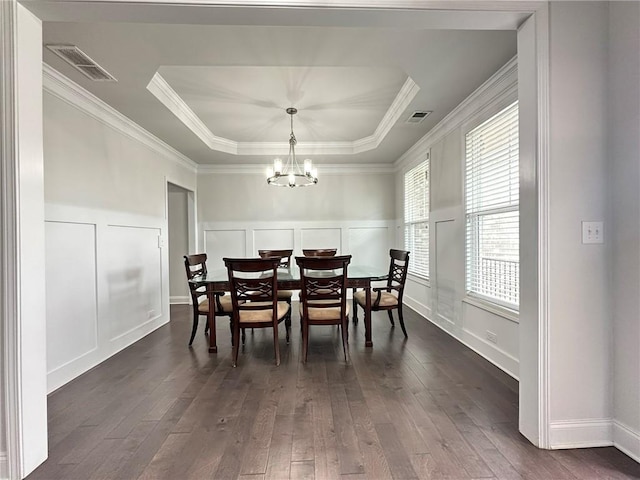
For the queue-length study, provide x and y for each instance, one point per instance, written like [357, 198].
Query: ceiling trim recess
[323, 169]
[67, 90]
[161, 89]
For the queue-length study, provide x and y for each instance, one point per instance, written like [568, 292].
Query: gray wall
[624, 240]
[579, 307]
[443, 298]
[349, 196]
[106, 228]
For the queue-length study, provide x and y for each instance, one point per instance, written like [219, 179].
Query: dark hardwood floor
[426, 408]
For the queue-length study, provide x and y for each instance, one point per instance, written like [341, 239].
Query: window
[491, 208]
[416, 218]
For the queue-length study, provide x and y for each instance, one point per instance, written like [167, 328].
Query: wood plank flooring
[424, 408]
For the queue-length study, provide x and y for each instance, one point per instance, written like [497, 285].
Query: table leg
[211, 318]
[367, 318]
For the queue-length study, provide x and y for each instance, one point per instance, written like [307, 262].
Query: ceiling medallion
[290, 174]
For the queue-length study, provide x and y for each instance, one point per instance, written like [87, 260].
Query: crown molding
[325, 169]
[70, 92]
[161, 89]
[403, 99]
[502, 84]
[166, 95]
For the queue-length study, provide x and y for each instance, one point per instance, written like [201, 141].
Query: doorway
[181, 239]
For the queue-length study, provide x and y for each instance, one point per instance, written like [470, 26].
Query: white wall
[238, 213]
[106, 272]
[624, 239]
[178, 226]
[442, 300]
[580, 310]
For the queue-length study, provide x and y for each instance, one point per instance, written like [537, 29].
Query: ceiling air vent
[417, 117]
[82, 62]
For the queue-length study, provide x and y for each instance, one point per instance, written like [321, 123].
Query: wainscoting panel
[445, 267]
[107, 277]
[134, 278]
[224, 243]
[272, 239]
[369, 246]
[322, 238]
[70, 275]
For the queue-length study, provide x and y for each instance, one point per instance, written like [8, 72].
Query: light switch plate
[592, 232]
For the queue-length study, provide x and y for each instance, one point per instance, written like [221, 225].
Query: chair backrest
[253, 283]
[283, 255]
[324, 281]
[320, 252]
[398, 267]
[195, 265]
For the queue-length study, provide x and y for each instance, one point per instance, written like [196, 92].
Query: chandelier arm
[291, 175]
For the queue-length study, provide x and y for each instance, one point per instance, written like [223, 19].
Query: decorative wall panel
[369, 246]
[71, 300]
[272, 239]
[133, 277]
[224, 243]
[322, 238]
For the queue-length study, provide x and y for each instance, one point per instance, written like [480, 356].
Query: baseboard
[179, 300]
[4, 467]
[503, 360]
[596, 432]
[418, 307]
[63, 375]
[626, 440]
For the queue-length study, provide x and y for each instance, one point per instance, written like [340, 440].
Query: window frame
[418, 276]
[497, 306]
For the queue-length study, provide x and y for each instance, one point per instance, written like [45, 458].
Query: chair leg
[244, 335]
[404, 330]
[391, 318]
[276, 344]
[305, 341]
[194, 329]
[236, 347]
[231, 328]
[345, 336]
[287, 322]
[355, 308]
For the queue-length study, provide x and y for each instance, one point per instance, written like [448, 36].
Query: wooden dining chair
[320, 252]
[387, 298]
[254, 298]
[196, 265]
[285, 262]
[323, 297]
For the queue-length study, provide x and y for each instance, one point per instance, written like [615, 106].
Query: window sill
[504, 312]
[417, 279]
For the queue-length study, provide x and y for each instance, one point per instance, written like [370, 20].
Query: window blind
[492, 209]
[416, 218]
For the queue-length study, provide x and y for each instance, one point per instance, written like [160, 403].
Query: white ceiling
[352, 83]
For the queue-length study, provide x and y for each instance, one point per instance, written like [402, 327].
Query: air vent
[417, 117]
[82, 62]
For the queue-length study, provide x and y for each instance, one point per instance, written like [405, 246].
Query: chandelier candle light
[290, 174]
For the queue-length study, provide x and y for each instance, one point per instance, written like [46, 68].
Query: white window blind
[416, 218]
[492, 209]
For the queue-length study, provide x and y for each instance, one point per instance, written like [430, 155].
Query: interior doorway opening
[181, 239]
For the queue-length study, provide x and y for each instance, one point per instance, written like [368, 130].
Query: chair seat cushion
[225, 302]
[386, 299]
[323, 314]
[264, 315]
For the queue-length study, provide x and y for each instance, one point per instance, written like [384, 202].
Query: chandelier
[290, 174]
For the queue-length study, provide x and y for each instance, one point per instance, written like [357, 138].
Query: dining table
[217, 282]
